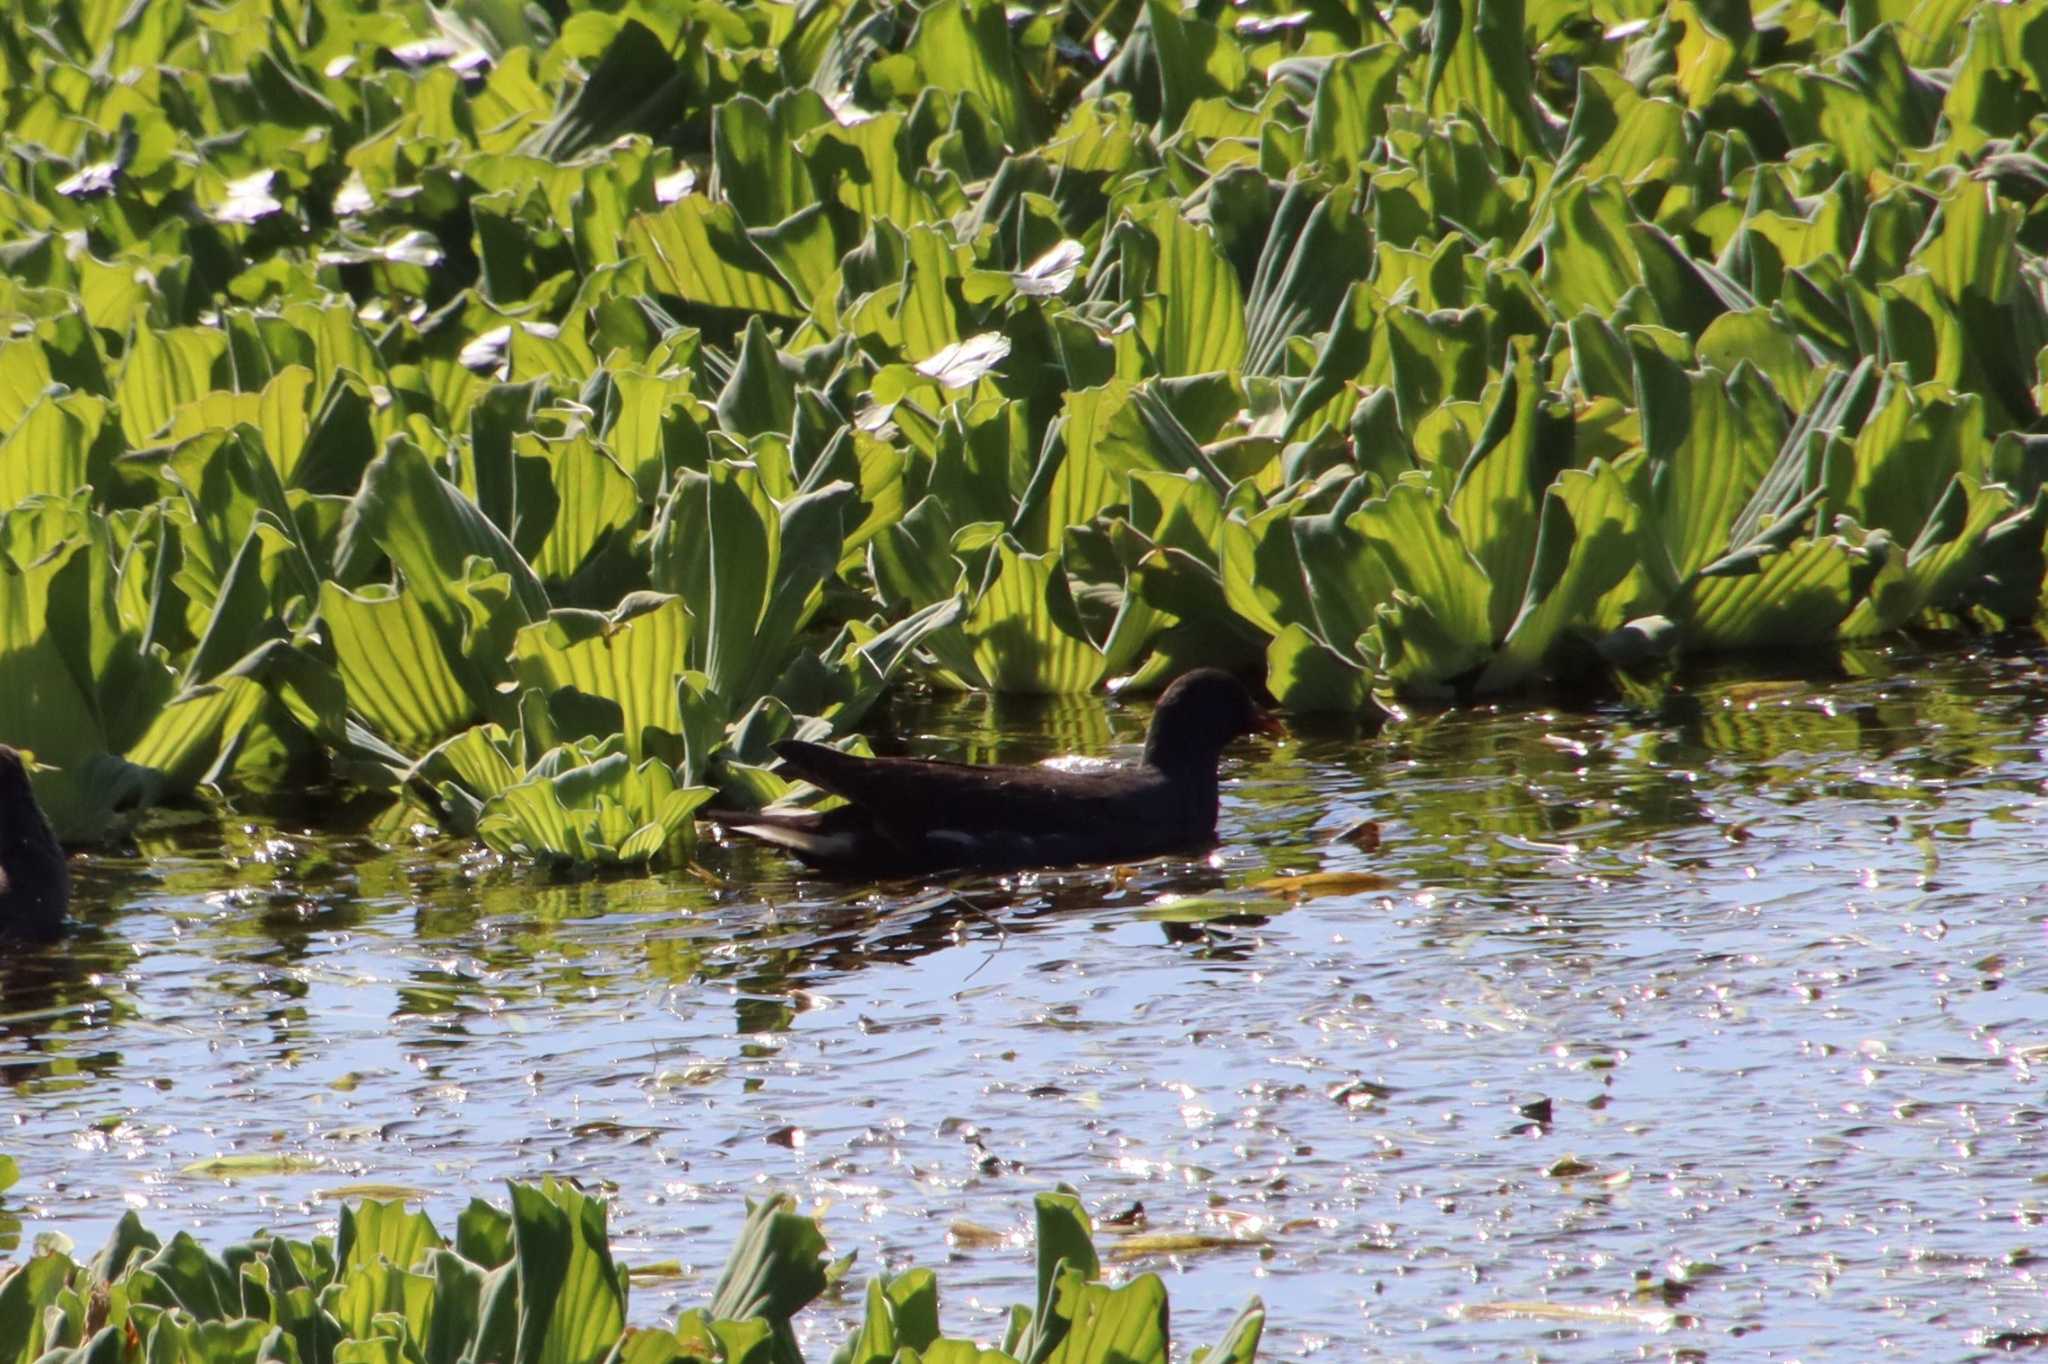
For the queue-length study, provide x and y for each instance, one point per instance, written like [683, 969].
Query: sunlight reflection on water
[1724, 1020]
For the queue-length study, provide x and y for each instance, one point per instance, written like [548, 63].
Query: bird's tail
[806, 833]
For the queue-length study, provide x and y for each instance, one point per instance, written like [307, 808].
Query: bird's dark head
[35, 884]
[15, 791]
[1200, 713]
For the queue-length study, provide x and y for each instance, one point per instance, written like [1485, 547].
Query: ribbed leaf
[1127, 1324]
[1478, 57]
[373, 1231]
[1940, 562]
[571, 1307]
[1710, 438]
[1350, 110]
[1240, 1343]
[1586, 545]
[866, 166]
[1426, 557]
[754, 148]
[699, 251]
[600, 812]
[1499, 499]
[368, 1289]
[1589, 261]
[49, 450]
[163, 371]
[430, 531]
[593, 498]
[631, 657]
[393, 666]
[775, 1268]
[1025, 635]
[279, 414]
[1796, 598]
[965, 45]
[1198, 326]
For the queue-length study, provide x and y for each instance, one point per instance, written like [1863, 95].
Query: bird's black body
[35, 883]
[908, 815]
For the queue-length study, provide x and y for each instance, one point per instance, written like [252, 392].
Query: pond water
[1708, 1028]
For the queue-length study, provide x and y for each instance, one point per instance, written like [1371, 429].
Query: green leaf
[597, 809]
[632, 657]
[370, 1289]
[1586, 545]
[571, 1303]
[1710, 437]
[1317, 247]
[1346, 579]
[431, 530]
[902, 1314]
[594, 499]
[1102, 1323]
[163, 371]
[722, 544]
[1306, 677]
[634, 86]
[1589, 261]
[1938, 569]
[279, 414]
[191, 739]
[50, 447]
[868, 167]
[25, 1297]
[1797, 597]
[185, 1274]
[965, 45]
[1195, 59]
[776, 1267]
[1350, 111]
[761, 394]
[699, 251]
[754, 149]
[1427, 560]
[1065, 1240]
[392, 664]
[1865, 103]
[483, 1235]
[1478, 57]
[1500, 490]
[373, 1231]
[1186, 297]
[1025, 634]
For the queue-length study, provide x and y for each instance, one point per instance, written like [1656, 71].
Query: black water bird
[911, 815]
[35, 883]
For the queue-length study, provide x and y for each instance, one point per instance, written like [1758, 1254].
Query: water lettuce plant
[543, 410]
[537, 1284]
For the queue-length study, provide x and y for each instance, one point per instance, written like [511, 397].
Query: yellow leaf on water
[1644, 1318]
[1196, 909]
[267, 1163]
[965, 1233]
[1178, 1243]
[1325, 883]
[660, 1269]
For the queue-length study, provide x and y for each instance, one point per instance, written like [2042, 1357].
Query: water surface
[1710, 1027]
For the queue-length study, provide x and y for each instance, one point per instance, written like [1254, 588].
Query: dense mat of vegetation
[547, 408]
[538, 1285]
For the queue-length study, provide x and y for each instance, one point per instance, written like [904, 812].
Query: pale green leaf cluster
[538, 1285]
[546, 408]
